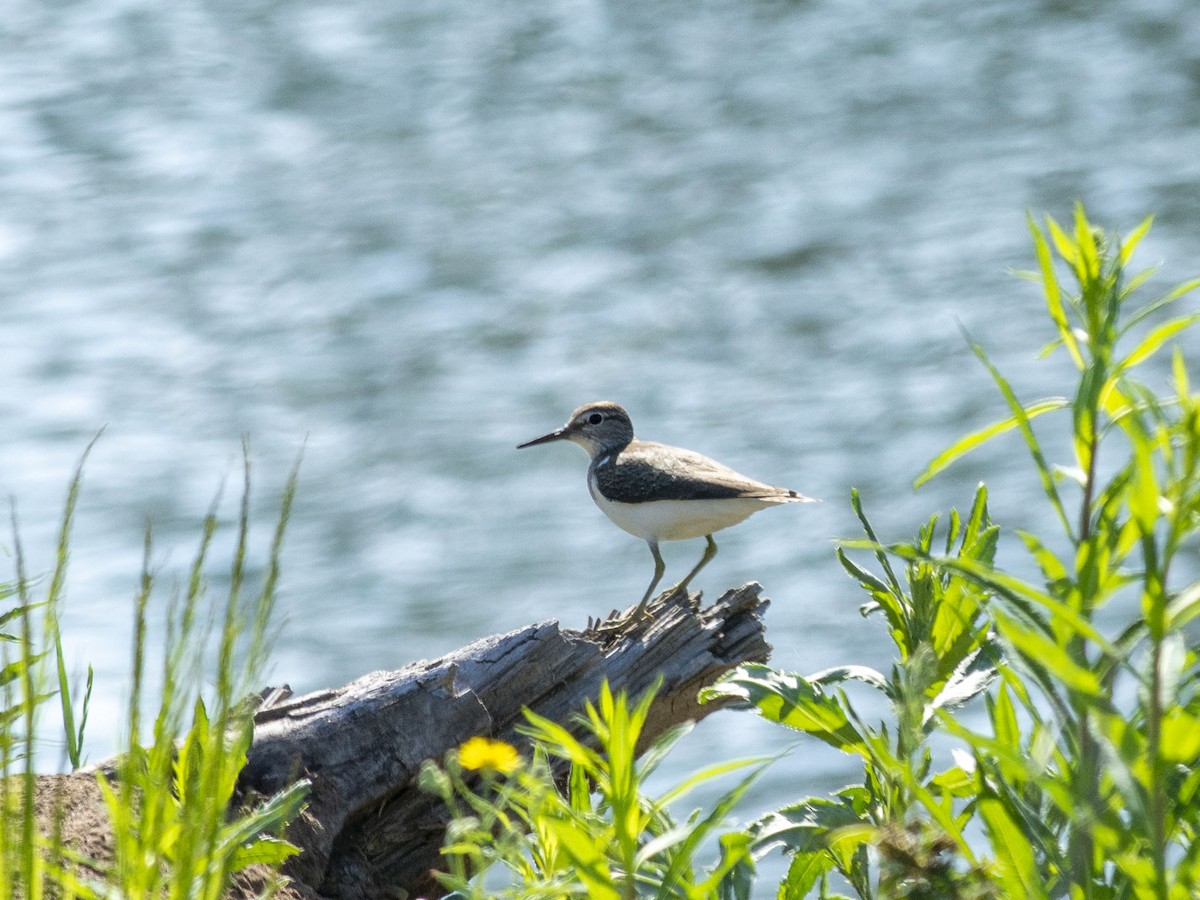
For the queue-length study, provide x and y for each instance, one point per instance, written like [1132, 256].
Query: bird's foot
[679, 592]
[617, 621]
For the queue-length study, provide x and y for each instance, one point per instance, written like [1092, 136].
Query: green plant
[27, 858]
[175, 835]
[181, 842]
[1085, 782]
[945, 658]
[601, 835]
[1088, 779]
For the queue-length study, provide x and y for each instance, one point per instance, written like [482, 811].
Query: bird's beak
[557, 435]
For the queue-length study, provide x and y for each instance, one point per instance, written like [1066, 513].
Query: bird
[658, 492]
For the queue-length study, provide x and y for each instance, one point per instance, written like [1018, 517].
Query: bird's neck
[604, 452]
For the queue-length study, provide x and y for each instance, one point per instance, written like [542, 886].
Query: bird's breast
[675, 520]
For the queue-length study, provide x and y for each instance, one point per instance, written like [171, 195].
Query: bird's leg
[659, 568]
[709, 552]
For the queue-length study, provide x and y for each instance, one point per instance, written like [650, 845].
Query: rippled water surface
[410, 235]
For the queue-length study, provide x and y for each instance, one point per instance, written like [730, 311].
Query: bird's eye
[595, 418]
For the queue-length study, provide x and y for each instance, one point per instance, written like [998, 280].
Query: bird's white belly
[677, 520]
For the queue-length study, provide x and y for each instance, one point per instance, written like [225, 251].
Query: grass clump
[168, 793]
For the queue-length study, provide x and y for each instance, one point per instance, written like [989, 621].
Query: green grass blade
[68, 711]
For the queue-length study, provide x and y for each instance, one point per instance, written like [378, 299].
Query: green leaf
[1019, 875]
[803, 873]
[1031, 441]
[1132, 283]
[560, 741]
[1053, 295]
[700, 830]
[969, 442]
[868, 580]
[1041, 652]
[1052, 568]
[1087, 253]
[711, 772]
[983, 547]
[884, 598]
[588, 859]
[1170, 297]
[954, 632]
[1129, 245]
[846, 840]
[73, 735]
[661, 843]
[267, 850]
[792, 700]
[956, 781]
[1180, 739]
[978, 520]
[1150, 344]
[969, 680]
[736, 879]
[271, 816]
[865, 674]
[654, 755]
[17, 667]
[802, 827]
[1172, 661]
[17, 611]
[1143, 498]
[1020, 595]
[1063, 243]
[733, 874]
[939, 811]
[885, 564]
[1004, 718]
[1184, 606]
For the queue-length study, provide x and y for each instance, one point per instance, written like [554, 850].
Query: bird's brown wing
[644, 472]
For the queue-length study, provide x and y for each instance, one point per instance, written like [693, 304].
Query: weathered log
[369, 832]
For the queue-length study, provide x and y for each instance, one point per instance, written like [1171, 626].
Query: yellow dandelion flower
[485, 753]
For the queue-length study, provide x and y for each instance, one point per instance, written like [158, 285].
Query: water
[409, 236]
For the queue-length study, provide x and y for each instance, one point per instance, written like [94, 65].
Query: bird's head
[596, 427]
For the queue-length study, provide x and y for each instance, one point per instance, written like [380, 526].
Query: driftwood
[369, 832]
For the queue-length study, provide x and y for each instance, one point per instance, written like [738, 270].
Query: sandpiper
[661, 493]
